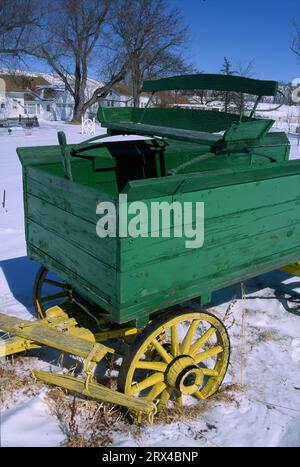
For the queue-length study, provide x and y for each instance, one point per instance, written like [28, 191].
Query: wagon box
[251, 226]
[230, 166]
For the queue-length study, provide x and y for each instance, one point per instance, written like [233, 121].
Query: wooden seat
[195, 126]
[200, 137]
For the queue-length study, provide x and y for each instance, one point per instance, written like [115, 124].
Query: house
[23, 96]
[45, 96]
[121, 96]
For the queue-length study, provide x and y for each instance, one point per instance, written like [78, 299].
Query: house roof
[21, 83]
[126, 90]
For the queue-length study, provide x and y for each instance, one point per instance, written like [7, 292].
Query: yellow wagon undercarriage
[156, 368]
[181, 352]
[63, 333]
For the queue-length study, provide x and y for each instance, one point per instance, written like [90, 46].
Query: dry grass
[268, 335]
[86, 423]
[14, 383]
[227, 395]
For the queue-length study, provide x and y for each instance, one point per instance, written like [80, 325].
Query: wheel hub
[184, 375]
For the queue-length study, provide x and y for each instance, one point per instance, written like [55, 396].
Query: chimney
[32, 84]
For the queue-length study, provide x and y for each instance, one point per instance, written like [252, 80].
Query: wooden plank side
[228, 200]
[220, 231]
[78, 200]
[246, 230]
[155, 188]
[74, 229]
[144, 306]
[180, 270]
[79, 283]
[80, 264]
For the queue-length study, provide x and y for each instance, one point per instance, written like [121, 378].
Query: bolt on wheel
[181, 353]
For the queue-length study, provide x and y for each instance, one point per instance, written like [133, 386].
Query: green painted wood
[214, 82]
[252, 217]
[199, 137]
[77, 230]
[146, 305]
[237, 244]
[218, 230]
[98, 275]
[94, 295]
[188, 119]
[65, 155]
[71, 197]
[247, 131]
[156, 188]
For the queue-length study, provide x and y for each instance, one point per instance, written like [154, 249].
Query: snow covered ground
[259, 404]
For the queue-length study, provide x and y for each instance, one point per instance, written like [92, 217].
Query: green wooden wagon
[130, 289]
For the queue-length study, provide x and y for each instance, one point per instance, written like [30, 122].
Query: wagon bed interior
[170, 141]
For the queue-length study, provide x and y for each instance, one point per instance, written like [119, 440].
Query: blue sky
[243, 30]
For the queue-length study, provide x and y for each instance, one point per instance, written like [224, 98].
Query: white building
[45, 96]
[23, 96]
[121, 96]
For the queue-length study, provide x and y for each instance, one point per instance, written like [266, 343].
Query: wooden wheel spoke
[162, 358]
[199, 395]
[174, 341]
[155, 366]
[48, 298]
[208, 353]
[179, 401]
[147, 383]
[208, 372]
[186, 344]
[61, 285]
[202, 341]
[164, 399]
[156, 391]
[162, 351]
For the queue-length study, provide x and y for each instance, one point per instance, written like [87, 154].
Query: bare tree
[240, 98]
[226, 97]
[75, 35]
[151, 35]
[19, 19]
[295, 45]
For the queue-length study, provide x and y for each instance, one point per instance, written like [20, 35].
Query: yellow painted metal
[95, 391]
[192, 365]
[293, 269]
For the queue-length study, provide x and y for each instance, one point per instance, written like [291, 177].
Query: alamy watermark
[152, 219]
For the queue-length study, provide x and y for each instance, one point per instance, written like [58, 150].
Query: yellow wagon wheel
[181, 353]
[47, 290]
